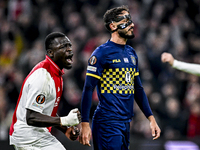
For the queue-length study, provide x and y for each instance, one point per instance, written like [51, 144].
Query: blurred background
[160, 26]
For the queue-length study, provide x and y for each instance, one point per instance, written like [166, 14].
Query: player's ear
[113, 26]
[50, 53]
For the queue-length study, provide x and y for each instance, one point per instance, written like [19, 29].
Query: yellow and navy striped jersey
[115, 66]
[113, 69]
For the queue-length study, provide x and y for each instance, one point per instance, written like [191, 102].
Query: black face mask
[123, 25]
[119, 18]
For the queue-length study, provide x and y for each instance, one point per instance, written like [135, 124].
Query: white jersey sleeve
[38, 90]
[187, 67]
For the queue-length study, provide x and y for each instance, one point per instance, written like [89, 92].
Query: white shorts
[53, 145]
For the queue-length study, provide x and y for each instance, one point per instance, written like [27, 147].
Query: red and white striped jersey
[41, 91]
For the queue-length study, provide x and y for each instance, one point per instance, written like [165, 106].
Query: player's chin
[68, 67]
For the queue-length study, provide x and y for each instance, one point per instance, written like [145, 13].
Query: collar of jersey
[118, 45]
[55, 68]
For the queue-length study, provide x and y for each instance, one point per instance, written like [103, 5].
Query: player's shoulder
[40, 72]
[130, 50]
[40, 75]
[104, 49]
[101, 51]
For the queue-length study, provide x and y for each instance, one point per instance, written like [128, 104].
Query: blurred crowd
[160, 26]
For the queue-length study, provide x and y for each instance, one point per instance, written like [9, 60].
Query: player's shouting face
[62, 49]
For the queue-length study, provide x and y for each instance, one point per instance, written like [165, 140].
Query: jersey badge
[126, 60]
[40, 99]
[133, 60]
[91, 68]
[93, 60]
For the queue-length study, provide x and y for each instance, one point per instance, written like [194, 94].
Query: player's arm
[182, 66]
[141, 98]
[89, 86]
[142, 101]
[37, 119]
[187, 67]
[71, 133]
[95, 68]
[90, 83]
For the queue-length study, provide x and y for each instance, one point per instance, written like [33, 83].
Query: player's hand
[72, 119]
[167, 57]
[155, 130]
[72, 133]
[85, 134]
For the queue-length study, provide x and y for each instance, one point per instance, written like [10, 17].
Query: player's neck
[117, 39]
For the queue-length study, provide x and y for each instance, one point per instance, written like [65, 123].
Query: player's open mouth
[69, 60]
[131, 29]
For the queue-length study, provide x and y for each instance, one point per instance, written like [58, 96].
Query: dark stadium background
[160, 26]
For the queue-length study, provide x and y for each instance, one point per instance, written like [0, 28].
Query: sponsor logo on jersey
[116, 60]
[133, 60]
[36, 105]
[40, 99]
[93, 60]
[126, 60]
[124, 87]
[91, 68]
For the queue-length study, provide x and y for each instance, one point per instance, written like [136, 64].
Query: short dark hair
[111, 14]
[50, 37]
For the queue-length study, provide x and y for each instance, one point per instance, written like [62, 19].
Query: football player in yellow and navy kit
[113, 69]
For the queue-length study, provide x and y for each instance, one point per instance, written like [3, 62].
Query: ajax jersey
[41, 92]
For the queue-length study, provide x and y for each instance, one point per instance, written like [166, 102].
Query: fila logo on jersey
[93, 60]
[40, 99]
[116, 60]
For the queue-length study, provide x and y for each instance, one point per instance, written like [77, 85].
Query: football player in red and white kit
[39, 98]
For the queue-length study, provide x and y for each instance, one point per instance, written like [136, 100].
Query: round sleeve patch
[93, 60]
[40, 99]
